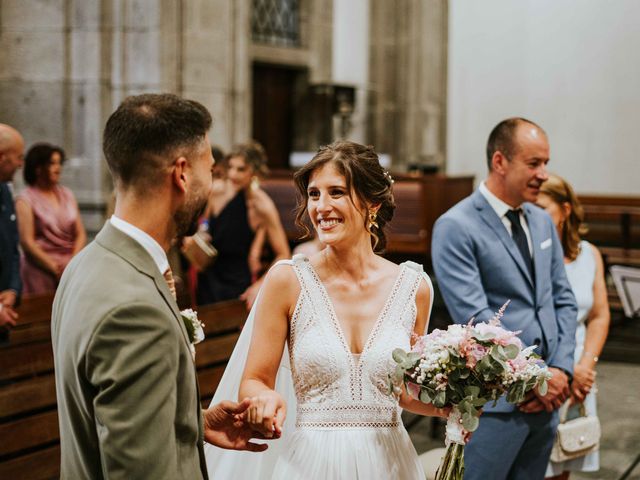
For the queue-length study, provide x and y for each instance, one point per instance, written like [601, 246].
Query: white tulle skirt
[359, 453]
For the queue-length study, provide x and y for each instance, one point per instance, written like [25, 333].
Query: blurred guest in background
[585, 271]
[11, 153]
[51, 231]
[219, 171]
[235, 213]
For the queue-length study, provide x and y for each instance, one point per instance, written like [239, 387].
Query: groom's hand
[225, 427]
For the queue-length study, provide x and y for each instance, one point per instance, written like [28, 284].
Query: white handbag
[577, 437]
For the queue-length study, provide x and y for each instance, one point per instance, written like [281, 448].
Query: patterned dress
[347, 425]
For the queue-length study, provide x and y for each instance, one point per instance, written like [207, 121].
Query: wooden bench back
[283, 192]
[614, 221]
[29, 436]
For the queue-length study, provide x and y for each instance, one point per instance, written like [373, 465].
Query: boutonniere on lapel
[194, 328]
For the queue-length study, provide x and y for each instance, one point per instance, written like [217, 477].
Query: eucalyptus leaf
[543, 387]
[424, 396]
[407, 364]
[399, 355]
[511, 351]
[414, 356]
[470, 422]
[479, 402]
[440, 399]
[472, 391]
[484, 337]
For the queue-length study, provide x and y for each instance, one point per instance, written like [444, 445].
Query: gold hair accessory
[372, 219]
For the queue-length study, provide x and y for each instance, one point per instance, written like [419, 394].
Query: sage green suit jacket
[128, 400]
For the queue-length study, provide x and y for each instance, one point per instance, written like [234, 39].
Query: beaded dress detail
[347, 425]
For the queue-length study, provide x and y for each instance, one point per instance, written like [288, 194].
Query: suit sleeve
[566, 310]
[132, 362]
[457, 274]
[12, 256]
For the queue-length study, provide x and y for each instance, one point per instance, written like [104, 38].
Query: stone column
[215, 64]
[407, 100]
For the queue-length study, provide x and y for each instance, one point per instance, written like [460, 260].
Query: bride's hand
[266, 413]
[441, 412]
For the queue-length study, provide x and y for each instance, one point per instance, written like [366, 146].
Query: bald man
[494, 246]
[11, 155]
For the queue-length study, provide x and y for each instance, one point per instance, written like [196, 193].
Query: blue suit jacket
[9, 254]
[479, 268]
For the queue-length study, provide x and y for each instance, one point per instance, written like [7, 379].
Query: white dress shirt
[501, 210]
[152, 247]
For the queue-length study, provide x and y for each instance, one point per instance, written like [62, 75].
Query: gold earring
[372, 219]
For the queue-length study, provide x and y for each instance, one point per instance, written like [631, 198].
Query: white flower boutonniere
[194, 328]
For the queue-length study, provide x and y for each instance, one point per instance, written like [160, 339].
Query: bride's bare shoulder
[282, 283]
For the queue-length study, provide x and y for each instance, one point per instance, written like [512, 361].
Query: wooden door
[273, 111]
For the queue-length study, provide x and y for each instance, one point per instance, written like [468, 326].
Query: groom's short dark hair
[146, 131]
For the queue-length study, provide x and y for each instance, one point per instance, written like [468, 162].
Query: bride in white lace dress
[340, 313]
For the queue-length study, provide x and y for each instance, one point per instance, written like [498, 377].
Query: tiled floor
[619, 411]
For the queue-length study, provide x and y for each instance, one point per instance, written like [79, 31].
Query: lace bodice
[334, 388]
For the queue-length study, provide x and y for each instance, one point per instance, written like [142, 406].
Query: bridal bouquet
[464, 367]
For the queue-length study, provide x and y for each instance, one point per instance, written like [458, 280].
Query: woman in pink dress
[51, 231]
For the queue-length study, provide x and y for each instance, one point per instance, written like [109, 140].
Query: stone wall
[67, 64]
[408, 68]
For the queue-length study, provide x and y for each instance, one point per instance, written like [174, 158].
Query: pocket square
[545, 244]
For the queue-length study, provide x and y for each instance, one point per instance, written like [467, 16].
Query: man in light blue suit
[495, 246]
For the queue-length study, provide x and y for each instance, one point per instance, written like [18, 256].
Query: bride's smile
[334, 213]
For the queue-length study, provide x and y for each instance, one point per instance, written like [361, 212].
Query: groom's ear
[178, 174]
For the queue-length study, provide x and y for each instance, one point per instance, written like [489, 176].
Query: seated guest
[585, 271]
[51, 231]
[235, 213]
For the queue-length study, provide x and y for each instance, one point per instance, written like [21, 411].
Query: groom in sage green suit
[128, 399]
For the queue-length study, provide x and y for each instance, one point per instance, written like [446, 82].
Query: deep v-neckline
[337, 326]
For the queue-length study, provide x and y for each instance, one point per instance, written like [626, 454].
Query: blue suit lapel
[489, 216]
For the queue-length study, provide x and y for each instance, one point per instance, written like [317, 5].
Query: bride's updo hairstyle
[365, 178]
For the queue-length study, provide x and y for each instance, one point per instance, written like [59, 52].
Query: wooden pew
[222, 324]
[620, 256]
[28, 417]
[29, 436]
[613, 220]
[34, 323]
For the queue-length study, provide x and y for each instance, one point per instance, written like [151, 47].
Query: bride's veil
[230, 464]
